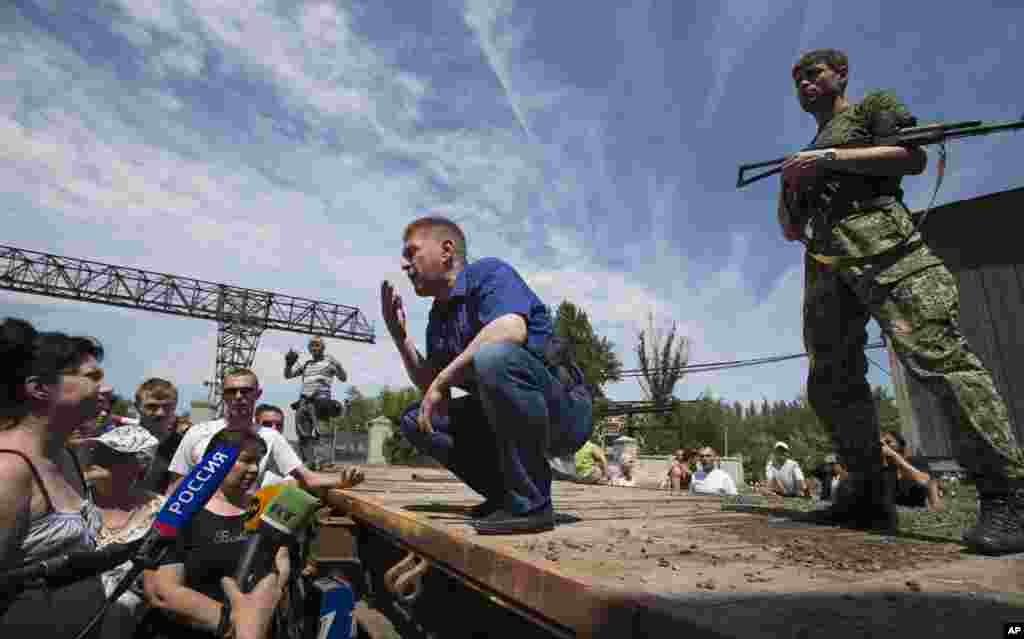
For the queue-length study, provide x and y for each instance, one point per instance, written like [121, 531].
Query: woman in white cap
[120, 458]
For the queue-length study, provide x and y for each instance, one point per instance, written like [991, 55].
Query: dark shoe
[864, 504]
[485, 509]
[1000, 527]
[502, 522]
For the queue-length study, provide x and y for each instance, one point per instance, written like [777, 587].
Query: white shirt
[717, 482]
[789, 475]
[279, 451]
[318, 375]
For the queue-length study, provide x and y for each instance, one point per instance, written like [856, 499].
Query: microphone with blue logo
[188, 498]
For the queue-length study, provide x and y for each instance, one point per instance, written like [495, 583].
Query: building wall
[979, 241]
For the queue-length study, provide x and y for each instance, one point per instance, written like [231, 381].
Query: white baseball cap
[782, 445]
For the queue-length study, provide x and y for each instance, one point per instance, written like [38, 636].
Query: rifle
[937, 133]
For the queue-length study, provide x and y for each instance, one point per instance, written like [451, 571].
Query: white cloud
[269, 204]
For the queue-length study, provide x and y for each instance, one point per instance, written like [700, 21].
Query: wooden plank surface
[1006, 301]
[618, 555]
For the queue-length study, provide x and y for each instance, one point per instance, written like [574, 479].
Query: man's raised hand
[393, 311]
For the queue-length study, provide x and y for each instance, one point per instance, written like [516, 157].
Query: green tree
[661, 360]
[360, 410]
[595, 355]
[392, 403]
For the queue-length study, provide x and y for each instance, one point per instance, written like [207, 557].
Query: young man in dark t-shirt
[186, 589]
[156, 401]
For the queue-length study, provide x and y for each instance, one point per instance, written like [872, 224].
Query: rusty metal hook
[405, 579]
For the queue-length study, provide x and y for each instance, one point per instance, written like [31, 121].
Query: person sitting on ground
[591, 464]
[837, 473]
[823, 472]
[185, 592]
[679, 474]
[241, 390]
[812, 488]
[626, 478]
[49, 386]
[709, 478]
[123, 454]
[914, 488]
[782, 474]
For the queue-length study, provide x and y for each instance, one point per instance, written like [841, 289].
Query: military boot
[861, 501]
[1000, 527]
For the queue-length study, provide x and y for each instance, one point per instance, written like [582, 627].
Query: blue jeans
[498, 439]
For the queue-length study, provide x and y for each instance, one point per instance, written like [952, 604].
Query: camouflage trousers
[919, 314]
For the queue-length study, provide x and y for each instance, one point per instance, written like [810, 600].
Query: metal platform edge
[583, 609]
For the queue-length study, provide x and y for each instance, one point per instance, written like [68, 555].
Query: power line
[725, 365]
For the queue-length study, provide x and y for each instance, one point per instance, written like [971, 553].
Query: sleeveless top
[30, 611]
[56, 532]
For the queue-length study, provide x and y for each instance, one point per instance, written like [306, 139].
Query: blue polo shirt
[484, 291]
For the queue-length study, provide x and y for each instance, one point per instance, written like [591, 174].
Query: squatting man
[488, 334]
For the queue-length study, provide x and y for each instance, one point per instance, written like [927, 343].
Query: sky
[284, 145]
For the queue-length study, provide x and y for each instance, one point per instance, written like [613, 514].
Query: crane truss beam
[88, 281]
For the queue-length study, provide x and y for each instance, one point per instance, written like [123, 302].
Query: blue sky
[283, 145]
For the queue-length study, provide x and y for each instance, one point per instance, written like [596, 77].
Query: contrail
[481, 24]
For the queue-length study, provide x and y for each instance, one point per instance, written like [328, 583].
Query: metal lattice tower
[242, 314]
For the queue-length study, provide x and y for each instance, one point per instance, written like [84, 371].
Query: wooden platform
[629, 562]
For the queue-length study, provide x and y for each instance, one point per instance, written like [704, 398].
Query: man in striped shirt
[315, 401]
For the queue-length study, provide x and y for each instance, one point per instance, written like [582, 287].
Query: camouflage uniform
[883, 270]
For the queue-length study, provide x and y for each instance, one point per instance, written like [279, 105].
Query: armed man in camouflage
[865, 258]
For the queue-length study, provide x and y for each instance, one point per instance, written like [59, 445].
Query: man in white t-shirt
[709, 479]
[241, 391]
[782, 475]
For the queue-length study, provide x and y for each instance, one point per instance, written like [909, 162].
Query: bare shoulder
[16, 477]
[14, 471]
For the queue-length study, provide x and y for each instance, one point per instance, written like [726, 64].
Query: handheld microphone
[194, 491]
[71, 567]
[187, 499]
[258, 505]
[286, 514]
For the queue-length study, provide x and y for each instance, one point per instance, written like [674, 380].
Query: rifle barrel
[922, 135]
[988, 128]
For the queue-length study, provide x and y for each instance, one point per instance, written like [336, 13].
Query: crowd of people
[79, 478]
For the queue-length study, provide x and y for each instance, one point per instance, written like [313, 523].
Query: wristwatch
[828, 157]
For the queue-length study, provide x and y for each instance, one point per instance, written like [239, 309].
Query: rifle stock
[914, 136]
